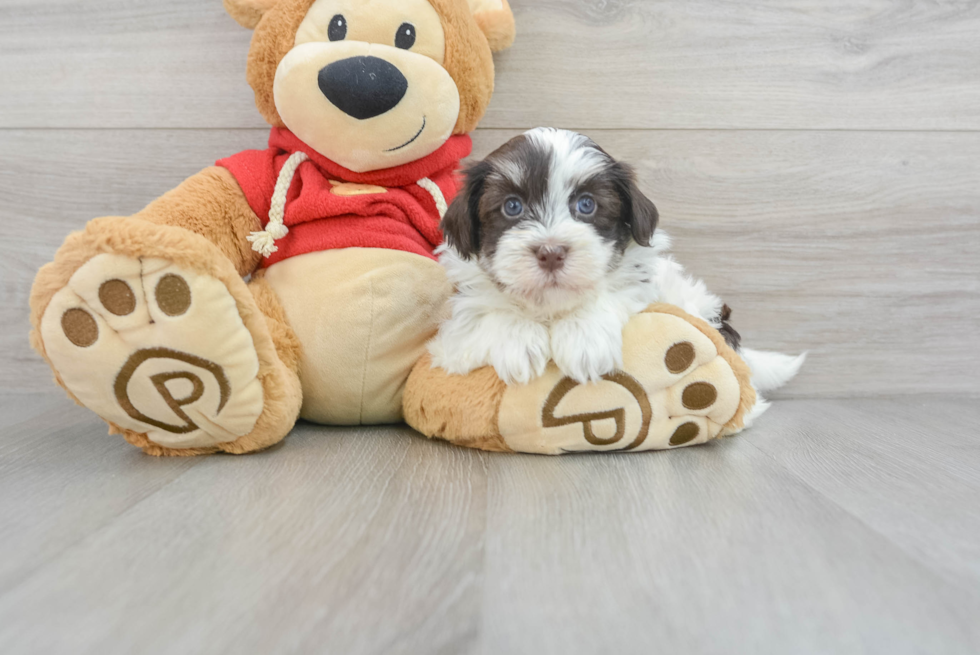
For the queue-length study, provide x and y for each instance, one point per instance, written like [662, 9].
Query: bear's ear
[248, 13]
[496, 20]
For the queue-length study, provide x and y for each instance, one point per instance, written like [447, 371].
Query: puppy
[552, 248]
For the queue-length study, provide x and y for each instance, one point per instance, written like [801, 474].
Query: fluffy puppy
[552, 248]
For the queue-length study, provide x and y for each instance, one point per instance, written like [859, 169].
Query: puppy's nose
[551, 258]
[363, 87]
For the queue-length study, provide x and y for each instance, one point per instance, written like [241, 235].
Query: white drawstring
[264, 242]
[436, 194]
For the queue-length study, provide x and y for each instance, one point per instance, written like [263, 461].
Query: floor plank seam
[27, 576]
[488, 461]
[944, 576]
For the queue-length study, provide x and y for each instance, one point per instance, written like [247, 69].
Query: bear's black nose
[363, 87]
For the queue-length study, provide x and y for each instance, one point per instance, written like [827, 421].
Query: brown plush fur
[468, 57]
[134, 237]
[459, 409]
[288, 345]
[211, 204]
[468, 60]
[498, 26]
[274, 37]
[248, 13]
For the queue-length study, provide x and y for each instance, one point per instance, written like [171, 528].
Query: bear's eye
[338, 28]
[405, 37]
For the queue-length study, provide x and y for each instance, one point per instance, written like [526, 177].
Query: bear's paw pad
[681, 385]
[156, 350]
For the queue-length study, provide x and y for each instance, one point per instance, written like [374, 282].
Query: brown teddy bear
[147, 319]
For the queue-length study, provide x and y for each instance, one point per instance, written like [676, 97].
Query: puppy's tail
[771, 370]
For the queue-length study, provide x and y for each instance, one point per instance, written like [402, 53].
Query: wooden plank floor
[834, 527]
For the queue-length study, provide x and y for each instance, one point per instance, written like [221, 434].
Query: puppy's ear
[638, 211]
[461, 224]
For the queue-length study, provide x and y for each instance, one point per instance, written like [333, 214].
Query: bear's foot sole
[681, 386]
[155, 349]
[153, 329]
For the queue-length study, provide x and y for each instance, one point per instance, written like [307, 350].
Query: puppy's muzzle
[363, 87]
[551, 258]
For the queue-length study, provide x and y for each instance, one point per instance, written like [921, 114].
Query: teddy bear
[298, 280]
[301, 280]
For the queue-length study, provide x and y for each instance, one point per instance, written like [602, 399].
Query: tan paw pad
[680, 357]
[680, 386]
[172, 294]
[155, 350]
[674, 390]
[699, 395]
[79, 327]
[117, 297]
[685, 433]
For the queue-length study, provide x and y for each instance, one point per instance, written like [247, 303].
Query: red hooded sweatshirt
[328, 206]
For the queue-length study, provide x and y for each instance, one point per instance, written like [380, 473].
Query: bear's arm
[211, 204]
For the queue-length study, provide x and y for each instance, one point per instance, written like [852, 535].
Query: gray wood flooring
[835, 526]
[818, 162]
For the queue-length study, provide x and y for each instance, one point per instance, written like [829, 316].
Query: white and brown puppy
[552, 248]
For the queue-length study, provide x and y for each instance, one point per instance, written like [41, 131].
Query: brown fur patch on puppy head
[548, 172]
[548, 216]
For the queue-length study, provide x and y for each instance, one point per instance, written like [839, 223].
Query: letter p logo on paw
[588, 421]
[675, 390]
[137, 386]
[157, 350]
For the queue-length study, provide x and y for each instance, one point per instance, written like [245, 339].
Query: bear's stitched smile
[412, 140]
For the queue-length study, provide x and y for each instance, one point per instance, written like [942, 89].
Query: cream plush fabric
[681, 385]
[363, 310]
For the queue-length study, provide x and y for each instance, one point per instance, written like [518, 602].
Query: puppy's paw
[455, 354]
[585, 349]
[517, 349]
[520, 354]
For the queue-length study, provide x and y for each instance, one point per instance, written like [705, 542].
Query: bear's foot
[157, 350]
[152, 329]
[681, 385]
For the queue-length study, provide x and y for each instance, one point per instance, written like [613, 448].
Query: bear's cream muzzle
[366, 106]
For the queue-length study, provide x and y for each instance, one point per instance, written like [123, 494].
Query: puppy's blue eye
[586, 205]
[513, 207]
